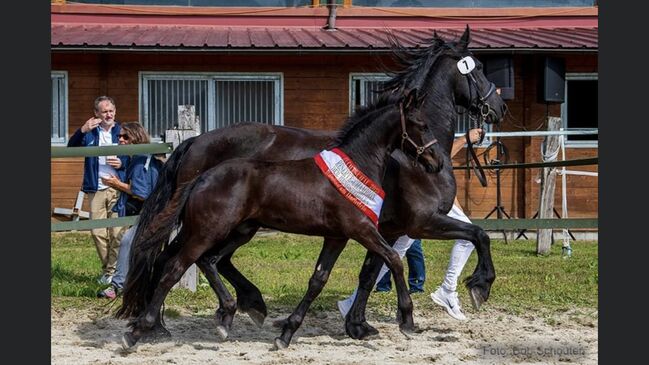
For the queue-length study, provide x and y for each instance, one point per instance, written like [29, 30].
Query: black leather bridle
[484, 108]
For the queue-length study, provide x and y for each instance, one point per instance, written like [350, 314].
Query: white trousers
[459, 255]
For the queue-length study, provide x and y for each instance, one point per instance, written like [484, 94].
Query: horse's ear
[466, 38]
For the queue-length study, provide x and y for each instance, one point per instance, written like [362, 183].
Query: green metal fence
[155, 148]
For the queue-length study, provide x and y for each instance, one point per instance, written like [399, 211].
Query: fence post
[548, 182]
[188, 126]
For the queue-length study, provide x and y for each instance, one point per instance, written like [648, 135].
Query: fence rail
[131, 149]
[488, 224]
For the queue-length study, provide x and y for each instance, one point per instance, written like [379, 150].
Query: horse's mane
[415, 67]
[414, 64]
[363, 118]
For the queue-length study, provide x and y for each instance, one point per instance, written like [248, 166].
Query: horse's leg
[372, 240]
[445, 228]
[331, 249]
[356, 325]
[210, 264]
[159, 331]
[249, 299]
[171, 274]
[227, 305]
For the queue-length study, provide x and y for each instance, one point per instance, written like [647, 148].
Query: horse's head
[446, 75]
[417, 139]
[472, 88]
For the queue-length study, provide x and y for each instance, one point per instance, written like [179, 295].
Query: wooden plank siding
[316, 95]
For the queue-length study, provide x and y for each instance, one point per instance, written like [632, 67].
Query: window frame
[211, 77]
[570, 76]
[62, 140]
[353, 76]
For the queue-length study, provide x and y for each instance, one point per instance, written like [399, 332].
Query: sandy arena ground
[488, 337]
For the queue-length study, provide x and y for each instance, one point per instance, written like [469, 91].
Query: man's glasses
[125, 136]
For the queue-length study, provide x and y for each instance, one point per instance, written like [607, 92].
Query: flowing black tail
[147, 261]
[157, 220]
[163, 191]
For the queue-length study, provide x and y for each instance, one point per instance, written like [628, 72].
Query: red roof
[305, 32]
[285, 38]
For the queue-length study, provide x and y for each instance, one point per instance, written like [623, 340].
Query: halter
[404, 137]
[484, 109]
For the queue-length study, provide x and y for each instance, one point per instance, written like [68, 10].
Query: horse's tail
[152, 234]
[162, 193]
[149, 257]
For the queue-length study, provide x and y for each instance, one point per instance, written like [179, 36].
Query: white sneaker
[449, 301]
[344, 306]
[105, 279]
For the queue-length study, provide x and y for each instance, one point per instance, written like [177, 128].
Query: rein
[484, 108]
[404, 137]
[474, 161]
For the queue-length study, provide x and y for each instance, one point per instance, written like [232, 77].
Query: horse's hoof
[128, 341]
[280, 323]
[410, 331]
[256, 317]
[371, 331]
[280, 344]
[222, 332]
[400, 319]
[360, 331]
[407, 328]
[476, 298]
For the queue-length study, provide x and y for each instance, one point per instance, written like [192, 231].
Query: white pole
[566, 249]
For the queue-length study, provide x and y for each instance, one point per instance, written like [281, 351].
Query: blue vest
[142, 174]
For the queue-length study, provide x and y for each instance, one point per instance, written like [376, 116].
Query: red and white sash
[359, 189]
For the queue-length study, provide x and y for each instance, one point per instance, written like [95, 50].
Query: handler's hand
[474, 134]
[90, 124]
[111, 181]
[114, 161]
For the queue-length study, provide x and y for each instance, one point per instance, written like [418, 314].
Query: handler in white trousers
[446, 293]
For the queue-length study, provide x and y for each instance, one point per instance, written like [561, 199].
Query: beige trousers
[107, 240]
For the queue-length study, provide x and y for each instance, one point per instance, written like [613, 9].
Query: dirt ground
[488, 337]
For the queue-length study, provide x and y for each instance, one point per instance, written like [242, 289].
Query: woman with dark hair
[141, 175]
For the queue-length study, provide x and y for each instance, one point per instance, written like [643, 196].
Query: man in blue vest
[102, 130]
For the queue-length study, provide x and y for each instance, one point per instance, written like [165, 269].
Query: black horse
[416, 211]
[239, 196]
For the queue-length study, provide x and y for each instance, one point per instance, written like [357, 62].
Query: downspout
[331, 21]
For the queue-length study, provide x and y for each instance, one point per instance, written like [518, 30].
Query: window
[59, 81]
[579, 111]
[219, 99]
[363, 91]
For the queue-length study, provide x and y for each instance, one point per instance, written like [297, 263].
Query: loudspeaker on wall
[553, 80]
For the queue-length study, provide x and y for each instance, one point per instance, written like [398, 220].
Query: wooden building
[280, 64]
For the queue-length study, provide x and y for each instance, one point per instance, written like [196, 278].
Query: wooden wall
[316, 95]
